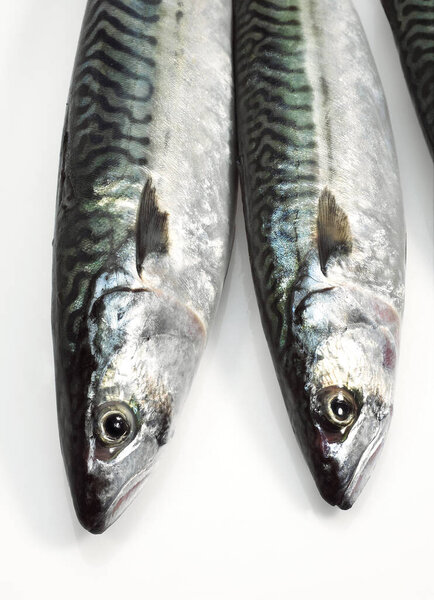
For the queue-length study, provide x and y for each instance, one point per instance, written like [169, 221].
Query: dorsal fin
[333, 229]
[152, 233]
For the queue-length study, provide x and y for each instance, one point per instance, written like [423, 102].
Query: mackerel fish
[143, 234]
[325, 227]
[412, 23]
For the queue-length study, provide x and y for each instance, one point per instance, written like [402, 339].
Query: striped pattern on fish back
[105, 143]
[277, 149]
[412, 22]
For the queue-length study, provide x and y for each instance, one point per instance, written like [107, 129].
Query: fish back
[412, 22]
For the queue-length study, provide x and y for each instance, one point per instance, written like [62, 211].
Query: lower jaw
[123, 500]
[362, 473]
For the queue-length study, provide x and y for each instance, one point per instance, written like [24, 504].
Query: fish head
[142, 350]
[346, 343]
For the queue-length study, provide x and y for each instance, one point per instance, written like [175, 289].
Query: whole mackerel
[325, 227]
[412, 23]
[143, 235]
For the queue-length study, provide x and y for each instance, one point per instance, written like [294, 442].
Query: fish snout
[102, 488]
[100, 502]
[88, 498]
[342, 469]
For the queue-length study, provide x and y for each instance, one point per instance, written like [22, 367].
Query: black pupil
[116, 426]
[341, 408]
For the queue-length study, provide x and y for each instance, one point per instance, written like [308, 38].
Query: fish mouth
[124, 498]
[117, 507]
[362, 472]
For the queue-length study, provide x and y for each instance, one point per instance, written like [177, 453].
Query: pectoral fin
[152, 234]
[333, 230]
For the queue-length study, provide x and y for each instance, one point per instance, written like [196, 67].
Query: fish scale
[325, 227]
[412, 23]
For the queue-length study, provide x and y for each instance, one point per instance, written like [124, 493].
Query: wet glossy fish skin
[144, 227]
[314, 138]
[412, 23]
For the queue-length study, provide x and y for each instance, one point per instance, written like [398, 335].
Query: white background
[231, 511]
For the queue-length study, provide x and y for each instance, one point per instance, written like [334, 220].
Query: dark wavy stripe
[105, 17]
[102, 38]
[276, 142]
[106, 139]
[94, 98]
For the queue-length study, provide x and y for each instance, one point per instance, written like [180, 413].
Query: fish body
[143, 234]
[412, 23]
[325, 227]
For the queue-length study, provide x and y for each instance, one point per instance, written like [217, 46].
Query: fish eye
[115, 423]
[116, 426]
[338, 406]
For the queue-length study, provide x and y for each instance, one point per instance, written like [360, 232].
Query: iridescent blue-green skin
[412, 23]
